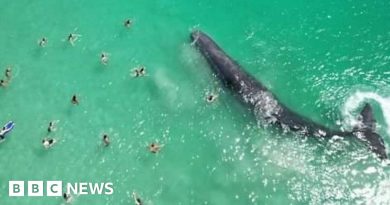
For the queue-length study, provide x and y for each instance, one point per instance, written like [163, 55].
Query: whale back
[226, 69]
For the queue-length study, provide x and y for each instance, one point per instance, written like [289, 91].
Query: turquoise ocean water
[321, 58]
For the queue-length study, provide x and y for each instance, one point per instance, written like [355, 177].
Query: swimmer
[154, 148]
[137, 200]
[72, 38]
[48, 142]
[51, 127]
[106, 140]
[127, 23]
[67, 197]
[138, 72]
[42, 42]
[211, 98]
[104, 58]
[3, 83]
[142, 70]
[74, 100]
[8, 73]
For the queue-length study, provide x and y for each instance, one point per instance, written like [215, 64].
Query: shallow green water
[321, 58]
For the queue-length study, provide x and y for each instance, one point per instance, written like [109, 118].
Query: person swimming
[51, 127]
[104, 58]
[106, 140]
[67, 197]
[8, 73]
[154, 148]
[3, 83]
[72, 38]
[137, 200]
[127, 23]
[74, 100]
[211, 97]
[48, 142]
[138, 72]
[142, 71]
[42, 42]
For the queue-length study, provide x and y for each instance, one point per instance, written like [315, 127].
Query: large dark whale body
[266, 105]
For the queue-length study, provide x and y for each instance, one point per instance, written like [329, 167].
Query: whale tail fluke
[366, 132]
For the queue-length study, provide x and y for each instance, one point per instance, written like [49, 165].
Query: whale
[266, 106]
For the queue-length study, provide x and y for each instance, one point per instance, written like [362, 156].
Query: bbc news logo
[55, 188]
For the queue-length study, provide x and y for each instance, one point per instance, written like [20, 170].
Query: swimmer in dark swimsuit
[51, 127]
[74, 100]
[48, 142]
[106, 140]
[137, 200]
[3, 83]
[42, 42]
[127, 23]
[8, 73]
[154, 148]
[138, 72]
[211, 97]
[67, 197]
[71, 38]
[104, 58]
[142, 71]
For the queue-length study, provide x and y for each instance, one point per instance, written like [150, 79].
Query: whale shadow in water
[266, 106]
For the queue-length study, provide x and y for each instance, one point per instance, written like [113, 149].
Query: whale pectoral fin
[367, 118]
[366, 132]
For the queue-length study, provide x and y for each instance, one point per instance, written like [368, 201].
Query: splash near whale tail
[366, 132]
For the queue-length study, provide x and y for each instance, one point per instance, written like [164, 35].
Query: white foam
[379, 194]
[370, 170]
[354, 102]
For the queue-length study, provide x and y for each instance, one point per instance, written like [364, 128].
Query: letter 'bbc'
[34, 188]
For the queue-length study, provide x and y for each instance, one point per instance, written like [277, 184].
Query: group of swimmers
[49, 142]
[72, 38]
[8, 76]
[136, 72]
[104, 57]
